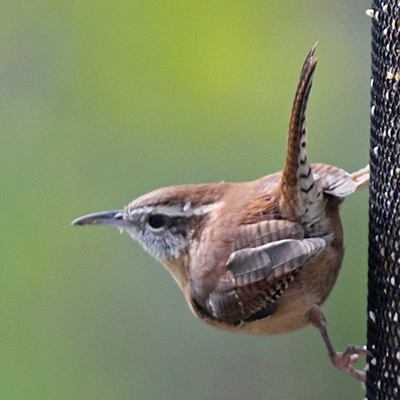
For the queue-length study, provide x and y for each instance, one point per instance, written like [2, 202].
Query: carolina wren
[257, 257]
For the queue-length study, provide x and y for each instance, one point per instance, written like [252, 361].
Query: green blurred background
[104, 101]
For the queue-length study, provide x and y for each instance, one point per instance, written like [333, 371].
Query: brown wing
[256, 277]
[254, 235]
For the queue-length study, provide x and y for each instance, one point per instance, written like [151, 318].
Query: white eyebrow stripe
[185, 210]
[201, 210]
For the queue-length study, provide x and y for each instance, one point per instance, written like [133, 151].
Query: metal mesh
[383, 378]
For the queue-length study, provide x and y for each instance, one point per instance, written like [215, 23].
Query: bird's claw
[350, 356]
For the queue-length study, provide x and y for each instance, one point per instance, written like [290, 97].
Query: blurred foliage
[103, 101]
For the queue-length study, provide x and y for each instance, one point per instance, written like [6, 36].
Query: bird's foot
[350, 356]
[343, 360]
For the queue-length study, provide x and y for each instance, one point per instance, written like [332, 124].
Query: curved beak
[113, 218]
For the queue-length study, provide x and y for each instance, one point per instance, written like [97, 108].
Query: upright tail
[301, 197]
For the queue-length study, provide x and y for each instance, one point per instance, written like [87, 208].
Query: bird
[257, 257]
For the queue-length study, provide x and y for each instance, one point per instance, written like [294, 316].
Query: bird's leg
[343, 360]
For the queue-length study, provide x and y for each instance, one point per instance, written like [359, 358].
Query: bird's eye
[157, 221]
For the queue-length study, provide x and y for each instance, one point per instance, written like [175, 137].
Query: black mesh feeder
[383, 376]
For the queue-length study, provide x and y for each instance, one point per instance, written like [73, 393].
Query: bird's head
[164, 221]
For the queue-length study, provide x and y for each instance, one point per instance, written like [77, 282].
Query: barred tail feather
[300, 193]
